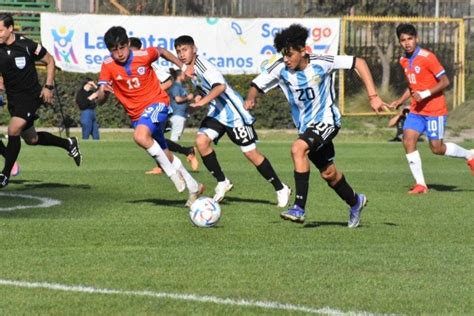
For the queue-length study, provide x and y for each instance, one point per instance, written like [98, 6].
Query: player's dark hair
[294, 36]
[183, 40]
[115, 36]
[7, 19]
[135, 42]
[406, 28]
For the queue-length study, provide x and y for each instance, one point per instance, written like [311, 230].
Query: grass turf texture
[118, 228]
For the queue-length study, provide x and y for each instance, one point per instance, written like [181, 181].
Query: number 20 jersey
[135, 83]
[310, 92]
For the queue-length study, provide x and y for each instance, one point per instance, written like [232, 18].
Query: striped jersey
[423, 70]
[228, 107]
[135, 83]
[310, 92]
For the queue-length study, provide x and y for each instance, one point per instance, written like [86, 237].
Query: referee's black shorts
[24, 106]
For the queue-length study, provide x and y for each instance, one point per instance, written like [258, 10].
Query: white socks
[159, 155]
[453, 150]
[191, 184]
[414, 162]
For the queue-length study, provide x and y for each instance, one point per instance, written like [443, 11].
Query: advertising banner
[235, 46]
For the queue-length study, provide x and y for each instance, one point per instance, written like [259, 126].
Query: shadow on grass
[315, 224]
[161, 202]
[51, 185]
[29, 185]
[446, 188]
[232, 199]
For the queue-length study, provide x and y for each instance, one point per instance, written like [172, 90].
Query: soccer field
[120, 241]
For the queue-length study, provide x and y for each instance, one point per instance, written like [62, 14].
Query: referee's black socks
[48, 139]
[11, 154]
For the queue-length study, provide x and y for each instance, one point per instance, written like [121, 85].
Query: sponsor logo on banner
[63, 45]
[234, 46]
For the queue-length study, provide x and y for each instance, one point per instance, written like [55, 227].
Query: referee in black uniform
[25, 95]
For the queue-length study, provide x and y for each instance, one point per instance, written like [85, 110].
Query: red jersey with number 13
[422, 71]
[135, 83]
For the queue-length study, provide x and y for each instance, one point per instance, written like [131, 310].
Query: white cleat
[178, 181]
[221, 189]
[195, 195]
[283, 196]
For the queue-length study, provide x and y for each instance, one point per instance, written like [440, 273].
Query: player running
[130, 77]
[428, 111]
[226, 115]
[307, 82]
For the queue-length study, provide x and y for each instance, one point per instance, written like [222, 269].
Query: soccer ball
[205, 212]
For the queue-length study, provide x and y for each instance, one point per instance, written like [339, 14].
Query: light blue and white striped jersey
[310, 92]
[227, 108]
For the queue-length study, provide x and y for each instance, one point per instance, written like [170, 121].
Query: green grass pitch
[119, 229]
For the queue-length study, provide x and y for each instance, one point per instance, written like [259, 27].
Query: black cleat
[74, 151]
[3, 180]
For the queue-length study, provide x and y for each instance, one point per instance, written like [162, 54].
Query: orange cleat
[156, 170]
[418, 189]
[470, 163]
[192, 159]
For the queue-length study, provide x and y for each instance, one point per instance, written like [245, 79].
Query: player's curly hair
[293, 36]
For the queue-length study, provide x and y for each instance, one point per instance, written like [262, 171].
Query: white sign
[235, 46]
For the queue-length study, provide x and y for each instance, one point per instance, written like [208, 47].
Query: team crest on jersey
[417, 69]
[20, 62]
[141, 70]
[316, 79]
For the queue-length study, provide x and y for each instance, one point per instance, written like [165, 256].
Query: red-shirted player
[428, 111]
[129, 76]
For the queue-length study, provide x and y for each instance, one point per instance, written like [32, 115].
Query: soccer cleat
[156, 170]
[74, 151]
[294, 214]
[194, 196]
[193, 161]
[283, 196]
[178, 181]
[3, 180]
[356, 210]
[15, 169]
[221, 189]
[418, 189]
[470, 162]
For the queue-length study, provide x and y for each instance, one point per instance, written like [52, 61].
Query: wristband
[49, 87]
[373, 96]
[184, 67]
[424, 94]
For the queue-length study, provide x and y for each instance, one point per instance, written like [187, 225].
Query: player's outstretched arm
[250, 101]
[397, 103]
[166, 54]
[47, 93]
[103, 93]
[216, 91]
[364, 73]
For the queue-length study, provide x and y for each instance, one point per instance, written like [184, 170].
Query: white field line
[181, 297]
[44, 202]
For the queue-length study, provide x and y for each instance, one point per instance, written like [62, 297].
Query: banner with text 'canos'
[235, 46]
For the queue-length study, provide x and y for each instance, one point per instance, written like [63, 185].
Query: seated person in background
[85, 100]
[398, 121]
[179, 101]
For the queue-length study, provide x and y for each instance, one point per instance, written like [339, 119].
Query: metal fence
[374, 39]
[287, 8]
